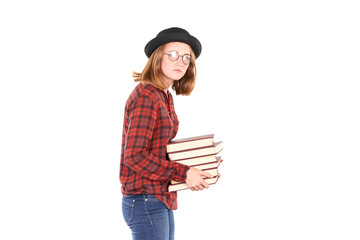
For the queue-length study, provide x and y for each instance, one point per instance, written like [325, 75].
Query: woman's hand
[195, 179]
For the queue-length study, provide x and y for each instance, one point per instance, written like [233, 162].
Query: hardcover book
[199, 160]
[183, 186]
[213, 172]
[196, 152]
[189, 143]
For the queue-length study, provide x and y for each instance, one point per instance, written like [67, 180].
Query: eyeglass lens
[174, 55]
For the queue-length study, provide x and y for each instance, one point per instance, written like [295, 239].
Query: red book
[189, 143]
[196, 152]
[208, 165]
[212, 171]
[204, 160]
[183, 186]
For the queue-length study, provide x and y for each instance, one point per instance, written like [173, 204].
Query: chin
[176, 78]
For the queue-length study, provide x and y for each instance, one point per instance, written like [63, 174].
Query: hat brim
[156, 42]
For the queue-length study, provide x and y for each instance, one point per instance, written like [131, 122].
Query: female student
[150, 122]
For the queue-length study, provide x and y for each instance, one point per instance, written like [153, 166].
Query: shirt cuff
[180, 174]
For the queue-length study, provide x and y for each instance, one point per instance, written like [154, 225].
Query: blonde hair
[152, 74]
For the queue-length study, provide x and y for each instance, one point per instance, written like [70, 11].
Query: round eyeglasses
[174, 56]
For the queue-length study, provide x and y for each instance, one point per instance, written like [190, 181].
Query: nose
[179, 62]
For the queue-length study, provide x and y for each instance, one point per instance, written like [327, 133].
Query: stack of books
[198, 152]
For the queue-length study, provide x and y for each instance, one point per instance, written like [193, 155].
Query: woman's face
[174, 70]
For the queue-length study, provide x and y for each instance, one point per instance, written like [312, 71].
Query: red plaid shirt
[150, 122]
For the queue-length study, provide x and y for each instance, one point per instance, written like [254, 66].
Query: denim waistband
[139, 197]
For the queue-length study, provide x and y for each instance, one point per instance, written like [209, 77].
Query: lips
[177, 70]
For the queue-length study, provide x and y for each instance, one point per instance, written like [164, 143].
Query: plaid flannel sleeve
[142, 121]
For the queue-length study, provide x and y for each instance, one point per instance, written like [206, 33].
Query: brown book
[189, 143]
[196, 152]
[183, 186]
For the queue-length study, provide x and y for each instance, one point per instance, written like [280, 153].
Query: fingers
[195, 179]
[198, 187]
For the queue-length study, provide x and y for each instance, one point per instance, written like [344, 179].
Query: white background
[278, 82]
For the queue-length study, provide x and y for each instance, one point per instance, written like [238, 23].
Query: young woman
[150, 122]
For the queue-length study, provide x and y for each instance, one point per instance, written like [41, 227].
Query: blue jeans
[148, 218]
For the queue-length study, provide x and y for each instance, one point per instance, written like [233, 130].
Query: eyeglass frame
[178, 55]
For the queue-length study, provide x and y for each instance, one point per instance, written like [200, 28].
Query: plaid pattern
[150, 122]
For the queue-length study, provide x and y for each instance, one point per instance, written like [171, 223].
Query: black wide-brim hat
[174, 34]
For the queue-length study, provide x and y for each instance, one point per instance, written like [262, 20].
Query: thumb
[205, 174]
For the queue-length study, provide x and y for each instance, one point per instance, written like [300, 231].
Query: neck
[168, 83]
